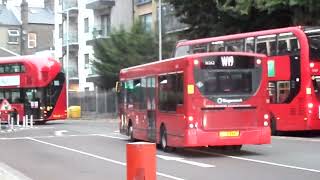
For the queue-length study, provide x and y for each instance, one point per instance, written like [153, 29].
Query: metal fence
[95, 102]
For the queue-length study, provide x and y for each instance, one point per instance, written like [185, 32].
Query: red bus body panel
[249, 122]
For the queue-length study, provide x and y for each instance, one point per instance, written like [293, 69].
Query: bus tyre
[274, 130]
[130, 132]
[233, 148]
[164, 140]
[236, 148]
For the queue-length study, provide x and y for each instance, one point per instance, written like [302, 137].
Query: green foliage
[121, 50]
[218, 17]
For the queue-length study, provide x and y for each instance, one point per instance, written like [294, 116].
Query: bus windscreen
[231, 75]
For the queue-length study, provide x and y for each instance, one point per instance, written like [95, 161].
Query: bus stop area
[94, 149]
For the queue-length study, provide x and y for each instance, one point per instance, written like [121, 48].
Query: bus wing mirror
[117, 87]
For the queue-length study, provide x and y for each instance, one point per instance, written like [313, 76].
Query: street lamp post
[65, 12]
[66, 65]
[160, 30]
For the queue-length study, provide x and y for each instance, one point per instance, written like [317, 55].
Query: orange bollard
[141, 161]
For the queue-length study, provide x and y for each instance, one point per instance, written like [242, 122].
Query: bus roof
[38, 60]
[38, 71]
[192, 56]
[241, 35]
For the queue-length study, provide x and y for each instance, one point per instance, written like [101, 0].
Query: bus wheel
[130, 132]
[233, 148]
[163, 140]
[236, 148]
[273, 127]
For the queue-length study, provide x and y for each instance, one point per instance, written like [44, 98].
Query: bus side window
[179, 89]
[162, 92]
[143, 101]
[200, 48]
[262, 48]
[136, 93]
[182, 51]
[129, 89]
[216, 46]
[267, 44]
[170, 91]
[283, 47]
[272, 92]
[283, 91]
[249, 45]
[272, 48]
[234, 45]
[294, 45]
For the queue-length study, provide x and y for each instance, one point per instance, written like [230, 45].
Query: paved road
[95, 150]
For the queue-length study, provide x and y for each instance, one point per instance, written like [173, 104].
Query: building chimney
[24, 12]
[49, 4]
[24, 27]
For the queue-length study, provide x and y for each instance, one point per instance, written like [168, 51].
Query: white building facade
[78, 23]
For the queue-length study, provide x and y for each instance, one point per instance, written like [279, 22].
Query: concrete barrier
[7, 173]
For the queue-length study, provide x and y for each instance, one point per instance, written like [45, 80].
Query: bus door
[151, 107]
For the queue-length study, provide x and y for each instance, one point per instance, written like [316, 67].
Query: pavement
[94, 149]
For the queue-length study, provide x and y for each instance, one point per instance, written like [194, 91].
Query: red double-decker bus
[33, 85]
[293, 71]
[206, 99]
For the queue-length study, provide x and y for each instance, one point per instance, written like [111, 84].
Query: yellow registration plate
[229, 133]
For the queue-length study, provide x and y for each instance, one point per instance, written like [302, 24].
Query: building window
[32, 40]
[86, 25]
[13, 36]
[140, 2]
[60, 31]
[146, 21]
[86, 61]
[105, 25]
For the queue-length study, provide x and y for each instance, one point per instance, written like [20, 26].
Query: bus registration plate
[229, 133]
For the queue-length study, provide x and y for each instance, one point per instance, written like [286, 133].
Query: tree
[219, 17]
[300, 12]
[123, 49]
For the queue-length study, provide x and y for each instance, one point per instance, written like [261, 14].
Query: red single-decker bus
[207, 99]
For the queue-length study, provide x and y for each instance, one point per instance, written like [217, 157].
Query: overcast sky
[31, 3]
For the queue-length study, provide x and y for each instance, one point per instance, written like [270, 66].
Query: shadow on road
[216, 152]
[307, 134]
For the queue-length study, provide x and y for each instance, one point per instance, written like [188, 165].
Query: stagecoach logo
[227, 61]
[228, 101]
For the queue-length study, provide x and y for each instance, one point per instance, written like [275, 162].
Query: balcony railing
[170, 22]
[73, 38]
[99, 4]
[90, 69]
[141, 2]
[97, 33]
[69, 4]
